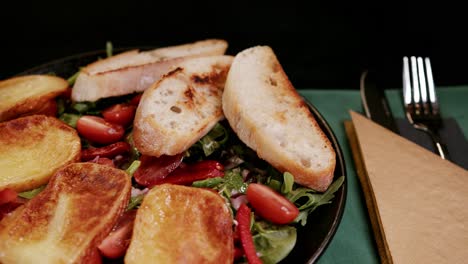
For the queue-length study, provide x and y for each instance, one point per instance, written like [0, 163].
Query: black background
[321, 44]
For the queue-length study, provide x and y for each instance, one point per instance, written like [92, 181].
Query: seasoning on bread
[268, 115]
[179, 224]
[182, 107]
[32, 148]
[67, 221]
[134, 71]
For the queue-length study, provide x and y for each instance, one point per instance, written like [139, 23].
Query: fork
[421, 104]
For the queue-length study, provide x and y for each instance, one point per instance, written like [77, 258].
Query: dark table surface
[319, 43]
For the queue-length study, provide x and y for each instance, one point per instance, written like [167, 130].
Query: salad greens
[32, 193]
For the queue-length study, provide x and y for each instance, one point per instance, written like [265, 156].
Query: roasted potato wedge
[28, 94]
[68, 220]
[179, 224]
[32, 148]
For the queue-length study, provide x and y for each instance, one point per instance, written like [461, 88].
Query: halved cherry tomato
[153, 169]
[116, 243]
[136, 100]
[270, 205]
[121, 114]
[99, 130]
[108, 151]
[7, 195]
[243, 220]
[7, 208]
[186, 175]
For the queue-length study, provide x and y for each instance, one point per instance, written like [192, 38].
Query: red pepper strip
[243, 220]
[238, 253]
[109, 151]
[153, 169]
[136, 100]
[201, 170]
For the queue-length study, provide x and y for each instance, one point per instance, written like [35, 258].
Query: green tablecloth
[353, 241]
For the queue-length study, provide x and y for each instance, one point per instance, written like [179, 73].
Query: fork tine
[406, 82]
[415, 78]
[422, 85]
[431, 88]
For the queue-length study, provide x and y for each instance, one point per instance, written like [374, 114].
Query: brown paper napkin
[417, 202]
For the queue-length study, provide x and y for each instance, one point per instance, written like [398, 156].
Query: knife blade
[374, 101]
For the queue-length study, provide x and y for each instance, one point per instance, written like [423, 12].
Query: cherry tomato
[7, 195]
[121, 114]
[186, 175]
[153, 169]
[136, 100]
[116, 243]
[270, 205]
[98, 130]
[243, 220]
[108, 151]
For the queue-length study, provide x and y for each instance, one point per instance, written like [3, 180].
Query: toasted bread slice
[32, 148]
[68, 220]
[134, 71]
[182, 107]
[179, 224]
[26, 94]
[268, 114]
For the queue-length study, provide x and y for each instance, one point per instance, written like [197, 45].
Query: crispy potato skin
[25, 95]
[32, 148]
[179, 224]
[67, 221]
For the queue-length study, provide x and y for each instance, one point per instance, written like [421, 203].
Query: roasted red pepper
[109, 151]
[194, 172]
[153, 169]
[243, 220]
[7, 195]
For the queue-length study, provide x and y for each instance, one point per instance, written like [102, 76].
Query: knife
[375, 102]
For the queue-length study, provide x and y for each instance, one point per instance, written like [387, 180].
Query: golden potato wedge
[179, 224]
[32, 148]
[26, 94]
[68, 220]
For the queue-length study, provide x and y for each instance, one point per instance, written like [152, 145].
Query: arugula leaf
[273, 242]
[109, 49]
[135, 201]
[232, 181]
[212, 141]
[70, 119]
[288, 182]
[308, 200]
[133, 167]
[208, 183]
[32, 193]
[71, 81]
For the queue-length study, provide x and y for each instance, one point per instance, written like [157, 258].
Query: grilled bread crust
[268, 114]
[182, 107]
[32, 148]
[135, 71]
[22, 95]
[68, 219]
[179, 224]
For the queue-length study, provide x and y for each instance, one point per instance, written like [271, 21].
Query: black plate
[314, 237]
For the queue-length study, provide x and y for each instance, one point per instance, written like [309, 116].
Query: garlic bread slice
[179, 224]
[32, 148]
[182, 107]
[134, 71]
[68, 220]
[25, 94]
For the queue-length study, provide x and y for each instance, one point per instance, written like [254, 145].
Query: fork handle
[439, 146]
